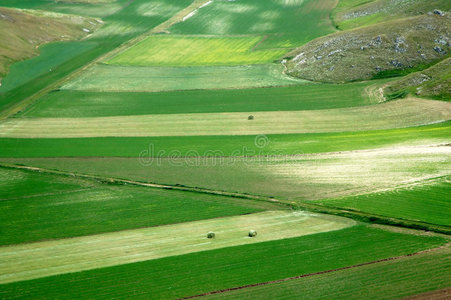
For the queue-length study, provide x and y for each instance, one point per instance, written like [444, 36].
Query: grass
[37, 207]
[284, 144]
[129, 21]
[298, 178]
[68, 103]
[22, 31]
[287, 23]
[109, 78]
[118, 248]
[387, 280]
[161, 50]
[191, 274]
[393, 114]
[428, 202]
[433, 82]
[372, 51]
[357, 13]
[50, 57]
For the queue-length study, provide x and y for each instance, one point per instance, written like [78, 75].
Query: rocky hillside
[356, 13]
[375, 51]
[22, 31]
[434, 82]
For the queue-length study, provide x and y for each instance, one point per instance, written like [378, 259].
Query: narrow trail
[317, 273]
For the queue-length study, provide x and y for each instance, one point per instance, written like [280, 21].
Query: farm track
[303, 205]
[318, 273]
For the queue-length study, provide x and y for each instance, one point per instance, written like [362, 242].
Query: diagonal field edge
[316, 273]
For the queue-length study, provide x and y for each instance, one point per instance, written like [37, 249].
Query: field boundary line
[307, 206]
[318, 273]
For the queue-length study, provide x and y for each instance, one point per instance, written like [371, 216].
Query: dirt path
[317, 273]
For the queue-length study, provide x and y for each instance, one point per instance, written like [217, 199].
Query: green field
[30, 201]
[195, 273]
[287, 23]
[387, 280]
[394, 114]
[299, 177]
[110, 78]
[120, 151]
[130, 246]
[50, 56]
[282, 144]
[429, 202]
[183, 51]
[67, 103]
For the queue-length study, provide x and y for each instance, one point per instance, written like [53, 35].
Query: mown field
[282, 144]
[130, 246]
[172, 50]
[29, 202]
[196, 273]
[297, 177]
[120, 151]
[393, 114]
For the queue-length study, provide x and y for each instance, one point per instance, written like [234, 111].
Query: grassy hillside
[373, 52]
[356, 13]
[433, 82]
[23, 31]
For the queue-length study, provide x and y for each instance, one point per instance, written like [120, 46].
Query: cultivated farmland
[166, 149]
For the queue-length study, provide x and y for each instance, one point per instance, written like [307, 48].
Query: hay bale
[252, 233]
[211, 235]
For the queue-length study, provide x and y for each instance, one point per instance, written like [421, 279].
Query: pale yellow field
[394, 114]
[34, 260]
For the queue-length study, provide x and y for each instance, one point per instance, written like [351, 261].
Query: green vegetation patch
[191, 274]
[111, 78]
[393, 114]
[298, 177]
[386, 280]
[434, 82]
[50, 56]
[356, 13]
[428, 202]
[374, 52]
[129, 246]
[69, 103]
[36, 207]
[286, 23]
[284, 144]
[161, 50]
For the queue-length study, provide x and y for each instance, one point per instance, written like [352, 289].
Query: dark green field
[67, 103]
[29, 202]
[197, 273]
[414, 203]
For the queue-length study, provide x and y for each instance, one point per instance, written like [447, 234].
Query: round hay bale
[211, 235]
[252, 233]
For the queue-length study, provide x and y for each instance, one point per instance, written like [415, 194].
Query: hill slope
[374, 51]
[22, 31]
